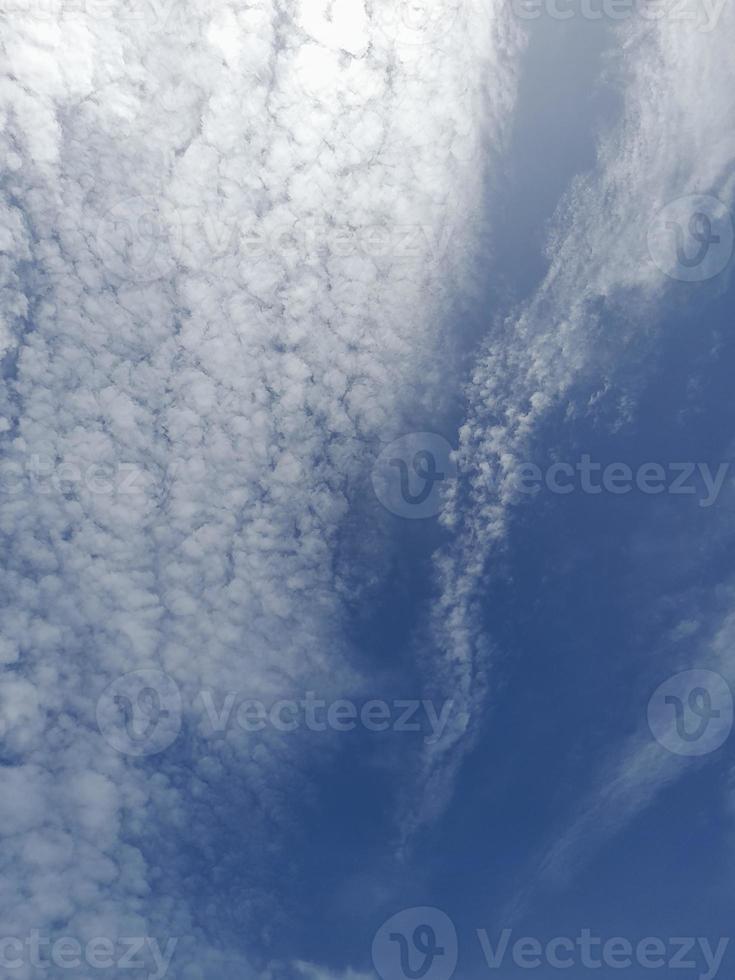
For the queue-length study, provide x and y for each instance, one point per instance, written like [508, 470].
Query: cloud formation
[601, 289]
[229, 235]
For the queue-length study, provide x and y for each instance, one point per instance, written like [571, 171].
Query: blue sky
[261, 263]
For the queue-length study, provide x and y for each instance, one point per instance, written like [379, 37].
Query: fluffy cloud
[229, 234]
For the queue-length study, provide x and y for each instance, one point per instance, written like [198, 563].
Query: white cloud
[162, 322]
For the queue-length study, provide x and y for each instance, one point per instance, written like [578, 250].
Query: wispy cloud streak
[672, 139]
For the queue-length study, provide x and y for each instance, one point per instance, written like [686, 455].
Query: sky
[366, 484]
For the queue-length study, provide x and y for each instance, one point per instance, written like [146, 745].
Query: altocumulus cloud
[201, 279]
